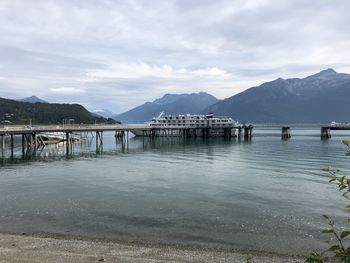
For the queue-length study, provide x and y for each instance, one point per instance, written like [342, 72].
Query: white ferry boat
[340, 124]
[216, 124]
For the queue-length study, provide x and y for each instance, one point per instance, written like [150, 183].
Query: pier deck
[18, 130]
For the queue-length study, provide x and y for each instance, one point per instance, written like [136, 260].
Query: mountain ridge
[192, 103]
[319, 98]
[32, 99]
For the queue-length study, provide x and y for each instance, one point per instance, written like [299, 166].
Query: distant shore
[23, 248]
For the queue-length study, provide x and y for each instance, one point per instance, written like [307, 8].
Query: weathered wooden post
[233, 133]
[285, 133]
[325, 133]
[239, 132]
[127, 140]
[23, 144]
[31, 140]
[99, 135]
[35, 140]
[248, 132]
[67, 143]
[101, 141]
[97, 138]
[2, 144]
[11, 145]
[28, 136]
[227, 132]
[11, 142]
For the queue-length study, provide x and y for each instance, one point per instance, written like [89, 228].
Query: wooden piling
[285, 133]
[248, 132]
[3, 142]
[31, 140]
[99, 141]
[23, 144]
[325, 133]
[35, 141]
[11, 137]
[67, 143]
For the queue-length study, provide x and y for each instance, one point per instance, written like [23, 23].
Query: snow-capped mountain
[319, 98]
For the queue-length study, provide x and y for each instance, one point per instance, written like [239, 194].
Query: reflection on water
[264, 194]
[88, 147]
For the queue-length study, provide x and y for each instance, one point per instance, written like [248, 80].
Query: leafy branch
[338, 249]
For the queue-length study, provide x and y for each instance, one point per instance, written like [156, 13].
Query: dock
[31, 134]
[326, 130]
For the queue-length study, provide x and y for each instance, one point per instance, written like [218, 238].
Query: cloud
[118, 54]
[140, 70]
[67, 90]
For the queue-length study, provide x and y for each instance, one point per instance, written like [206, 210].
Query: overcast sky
[119, 54]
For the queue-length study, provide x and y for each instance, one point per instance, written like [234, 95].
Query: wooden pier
[30, 138]
[31, 135]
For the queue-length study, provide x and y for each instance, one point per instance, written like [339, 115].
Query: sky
[118, 54]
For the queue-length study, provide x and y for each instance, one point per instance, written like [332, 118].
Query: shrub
[338, 250]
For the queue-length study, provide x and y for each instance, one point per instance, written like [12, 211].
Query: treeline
[16, 112]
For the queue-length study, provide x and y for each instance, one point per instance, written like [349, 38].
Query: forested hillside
[16, 112]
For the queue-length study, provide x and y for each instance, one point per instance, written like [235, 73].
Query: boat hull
[195, 132]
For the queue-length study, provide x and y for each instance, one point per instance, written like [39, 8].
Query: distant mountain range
[193, 103]
[32, 99]
[320, 98]
[17, 112]
[104, 113]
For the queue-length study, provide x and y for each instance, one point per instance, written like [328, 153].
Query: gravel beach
[22, 248]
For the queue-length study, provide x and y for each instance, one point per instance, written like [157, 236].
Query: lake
[265, 194]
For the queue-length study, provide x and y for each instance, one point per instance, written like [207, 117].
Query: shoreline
[51, 248]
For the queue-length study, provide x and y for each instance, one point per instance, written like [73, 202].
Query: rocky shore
[23, 248]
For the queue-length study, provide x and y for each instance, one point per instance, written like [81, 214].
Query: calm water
[266, 194]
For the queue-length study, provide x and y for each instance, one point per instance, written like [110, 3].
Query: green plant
[338, 250]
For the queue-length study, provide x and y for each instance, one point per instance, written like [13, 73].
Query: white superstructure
[205, 121]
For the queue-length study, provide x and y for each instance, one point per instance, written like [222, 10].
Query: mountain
[16, 112]
[170, 103]
[104, 113]
[320, 98]
[32, 99]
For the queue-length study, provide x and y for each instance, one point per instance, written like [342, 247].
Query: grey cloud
[55, 46]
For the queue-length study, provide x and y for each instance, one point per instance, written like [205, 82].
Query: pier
[326, 130]
[31, 135]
